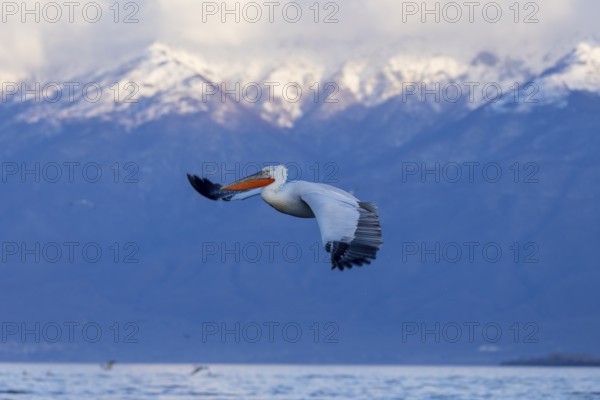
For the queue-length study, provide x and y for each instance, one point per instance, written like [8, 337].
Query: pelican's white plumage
[350, 229]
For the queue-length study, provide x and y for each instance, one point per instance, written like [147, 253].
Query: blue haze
[175, 289]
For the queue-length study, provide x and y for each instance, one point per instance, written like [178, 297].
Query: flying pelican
[350, 229]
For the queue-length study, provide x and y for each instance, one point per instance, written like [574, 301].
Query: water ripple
[173, 382]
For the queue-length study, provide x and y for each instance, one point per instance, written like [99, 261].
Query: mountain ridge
[162, 81]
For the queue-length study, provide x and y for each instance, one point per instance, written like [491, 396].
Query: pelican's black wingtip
[191, 179]
[204, 186]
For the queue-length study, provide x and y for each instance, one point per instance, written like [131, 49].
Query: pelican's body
[287, 199]
[350, 229]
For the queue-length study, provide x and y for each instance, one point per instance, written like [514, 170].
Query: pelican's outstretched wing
[213, 190]
[350, 229]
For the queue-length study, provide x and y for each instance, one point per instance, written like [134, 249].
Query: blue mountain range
[487, 208]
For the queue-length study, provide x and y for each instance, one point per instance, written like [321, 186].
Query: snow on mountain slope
[372, 85]
[578, 71]
[165, 82]
[158, 83]
[294, 84]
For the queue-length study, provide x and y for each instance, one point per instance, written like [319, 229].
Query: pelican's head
[274, 174]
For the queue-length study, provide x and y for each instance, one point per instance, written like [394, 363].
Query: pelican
[350, 229]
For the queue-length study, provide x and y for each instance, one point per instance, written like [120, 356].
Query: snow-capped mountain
[164, 82]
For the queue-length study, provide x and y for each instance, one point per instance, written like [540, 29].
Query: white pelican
[350, 229]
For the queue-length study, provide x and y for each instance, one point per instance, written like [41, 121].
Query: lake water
[139, 382]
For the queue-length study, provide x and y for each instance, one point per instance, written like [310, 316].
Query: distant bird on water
[350, 229]
[107, 366]
[198, 368]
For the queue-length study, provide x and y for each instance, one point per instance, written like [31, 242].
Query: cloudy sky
[276, 29]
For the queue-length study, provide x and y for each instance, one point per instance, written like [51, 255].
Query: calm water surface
[140, 382]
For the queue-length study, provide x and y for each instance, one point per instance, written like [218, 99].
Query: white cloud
[385, 24]
[363, 27]
[41, 39]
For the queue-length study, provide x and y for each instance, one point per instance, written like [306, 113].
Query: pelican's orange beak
[255, 181]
